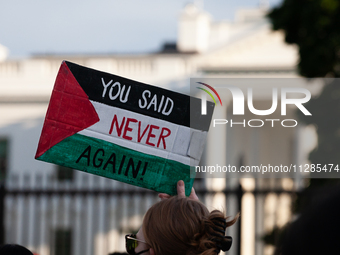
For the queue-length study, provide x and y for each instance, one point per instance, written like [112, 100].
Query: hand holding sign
[180, 192]
[118, 128]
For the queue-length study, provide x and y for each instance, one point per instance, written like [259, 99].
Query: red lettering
[123, 128]
[128, 129]
[118, 128]
[140, 137]
[162, 136]
[151, 135]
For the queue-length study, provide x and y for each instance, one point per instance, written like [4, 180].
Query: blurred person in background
[14, 249]
[317, 230]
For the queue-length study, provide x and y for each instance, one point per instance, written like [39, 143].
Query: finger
[180, 189]
[163, 196]
[193, 194]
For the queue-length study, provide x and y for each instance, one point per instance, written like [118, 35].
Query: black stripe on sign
[140, 97]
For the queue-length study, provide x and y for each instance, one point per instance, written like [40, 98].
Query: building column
[216, 150]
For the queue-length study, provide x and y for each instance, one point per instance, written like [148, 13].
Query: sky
[102, 26]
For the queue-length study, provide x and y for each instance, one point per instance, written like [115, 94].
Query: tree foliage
[314, 26]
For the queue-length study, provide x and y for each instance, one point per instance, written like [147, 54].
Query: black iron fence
[91, 215]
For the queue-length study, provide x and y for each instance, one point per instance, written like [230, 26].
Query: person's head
[316, 230]
[14, 249]
[180, 225]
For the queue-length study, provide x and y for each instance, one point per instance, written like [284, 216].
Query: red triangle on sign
[69, 111]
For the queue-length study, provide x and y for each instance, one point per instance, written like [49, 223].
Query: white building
[244, 48]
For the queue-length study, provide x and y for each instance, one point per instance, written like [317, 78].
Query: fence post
[2, 212]
[239, 194]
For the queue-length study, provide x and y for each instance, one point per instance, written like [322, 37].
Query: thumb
[180, 188]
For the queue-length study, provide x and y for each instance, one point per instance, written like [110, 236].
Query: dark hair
[180, 225]
[14, 249]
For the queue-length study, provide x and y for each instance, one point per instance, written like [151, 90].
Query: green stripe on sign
[109, 160]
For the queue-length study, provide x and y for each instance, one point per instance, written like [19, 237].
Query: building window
[3, 158]
[65, 173]
[63, 242]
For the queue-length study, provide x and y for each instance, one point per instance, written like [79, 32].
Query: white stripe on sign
[144, 130]
[141, 148]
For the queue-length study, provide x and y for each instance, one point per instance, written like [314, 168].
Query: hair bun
[222, 242]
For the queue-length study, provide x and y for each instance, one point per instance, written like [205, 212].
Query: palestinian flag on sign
[122, 129]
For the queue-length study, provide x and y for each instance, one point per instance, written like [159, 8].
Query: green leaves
[313, 25]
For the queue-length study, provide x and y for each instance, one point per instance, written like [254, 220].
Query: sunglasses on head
[131, 242]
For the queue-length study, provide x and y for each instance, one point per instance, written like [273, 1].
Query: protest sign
[122, 129]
